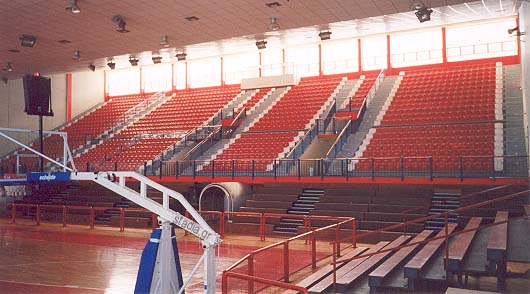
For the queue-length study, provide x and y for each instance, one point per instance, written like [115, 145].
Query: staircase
[305, 203]
[348, 90]
[513, 127]
[355, 139]
[442, 202]
[256, 113]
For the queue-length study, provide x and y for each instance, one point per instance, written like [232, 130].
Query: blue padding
[147, 264]
[177, 259]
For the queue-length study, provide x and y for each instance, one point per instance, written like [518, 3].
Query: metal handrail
[339, 138]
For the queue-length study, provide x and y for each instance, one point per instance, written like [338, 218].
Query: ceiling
[222, 26]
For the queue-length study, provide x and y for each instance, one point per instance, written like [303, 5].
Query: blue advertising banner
[48, 177]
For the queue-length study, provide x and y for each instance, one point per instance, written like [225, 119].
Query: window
[240, 66]
[156, 78]
[123, 81]
[271, 62]
[374, 52]
[480, 40]
[302, 60]
[416, 48]
[180, 75]
[340, 57]
[204, 72]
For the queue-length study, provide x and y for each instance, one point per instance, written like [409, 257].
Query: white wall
[12, 113]
[87, 90]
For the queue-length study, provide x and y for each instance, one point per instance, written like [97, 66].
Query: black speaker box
[37, 95]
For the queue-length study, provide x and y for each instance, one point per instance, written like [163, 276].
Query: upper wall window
[156, 78]
[481, 40]
[123, 81]
[272, 62]
[204, 72]
[302, 60]
[340, 56]
[416, 48]
[240, 66]
[374, 52]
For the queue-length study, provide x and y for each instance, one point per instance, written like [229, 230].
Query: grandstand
[391, 157]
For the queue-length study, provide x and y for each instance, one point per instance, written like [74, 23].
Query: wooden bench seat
[274, 197]
[355, 214]
[327, 282]
[378, 276]
[498, 239]
[262, 210]
[269, 204]
[341, 206]
[415, 266]
[376, 225]
[461, 244]
[390, 217]
[321, 273]
[396, 208]
[416, 201]
[346, 199]
[461, 247]
[349, 278]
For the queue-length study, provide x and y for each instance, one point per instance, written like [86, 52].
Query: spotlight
[423, 14]
[325, 35]
[517, 32]
[111, 64]
[119, 20]
[4, 79]
[181, 56]
[73, 8]
[133, 61]
[8, 67]
[77, 55]
[92, 67]
[262, 44]
[164, 42]
[156, 59]
[274, 24]
[27, 40]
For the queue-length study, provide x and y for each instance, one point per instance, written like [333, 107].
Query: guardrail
[401, 167]
[265, 267]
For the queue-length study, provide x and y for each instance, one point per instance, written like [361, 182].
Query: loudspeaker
[37, 95]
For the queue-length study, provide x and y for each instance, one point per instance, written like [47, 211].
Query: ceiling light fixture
[27, 40]
[273, 4]
[119, 20]
[423, 13]
[133, 61]
[8, 67]
[181, 56]
[324, 35]
[157, 59]
[111, 64]
[274, 24]
[77, 55]
[261, 44]
[73, 8]
[164, 42]
[92, 67]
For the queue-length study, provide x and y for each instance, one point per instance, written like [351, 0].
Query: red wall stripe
[68, 97]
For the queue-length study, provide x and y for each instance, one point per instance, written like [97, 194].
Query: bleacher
[293, 113]
[86, 127]
[443, 113]
[160, 129]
